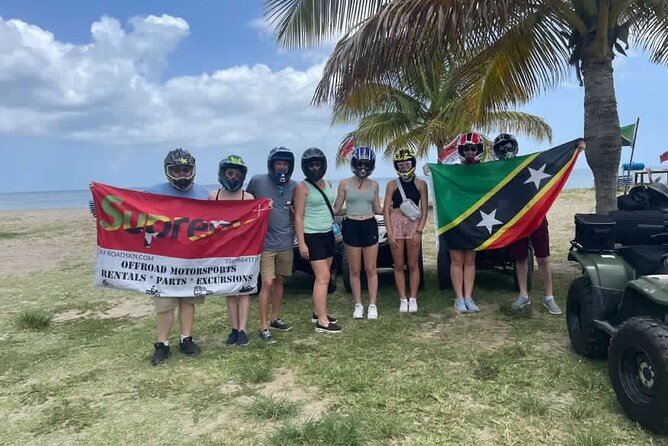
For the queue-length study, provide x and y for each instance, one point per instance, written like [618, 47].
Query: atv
[618, 307]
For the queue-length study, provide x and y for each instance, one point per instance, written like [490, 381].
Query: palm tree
[421, 108]
[524, 46]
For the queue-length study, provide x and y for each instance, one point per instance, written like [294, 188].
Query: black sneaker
[242, 339]
[161, 353]
[280, 325]
[331, 328]
[188, 347]
[331, 319]
[265, 335]
[232, 338]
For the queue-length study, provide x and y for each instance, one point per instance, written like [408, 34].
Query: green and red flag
[490, 205]
[628, 134]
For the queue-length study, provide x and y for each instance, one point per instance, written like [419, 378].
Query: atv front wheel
[639, 371]
[586, 338]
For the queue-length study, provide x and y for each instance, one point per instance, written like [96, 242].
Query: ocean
[68, 199]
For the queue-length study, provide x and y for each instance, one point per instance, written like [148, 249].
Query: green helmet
[232, 162]
[180, 168]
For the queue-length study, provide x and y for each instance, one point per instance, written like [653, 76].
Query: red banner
[172, 246]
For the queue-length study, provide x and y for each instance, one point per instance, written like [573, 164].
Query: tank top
[317, 218]
[243, 192]
[411, 191]
[359, 202]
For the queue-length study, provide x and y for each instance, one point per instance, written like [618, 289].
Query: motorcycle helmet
[468, 141]
[280, 154]
[363, 162]
[309, 158]
[180, 168]
[400, 156]
[229, 181]
[505, 146]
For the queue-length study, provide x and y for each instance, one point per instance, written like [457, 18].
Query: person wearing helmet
[276, 259]
[506, 147]
[360, 229]
[405, 212]
[231, 176]
[179, 168]
[314, 219]
[462, 262]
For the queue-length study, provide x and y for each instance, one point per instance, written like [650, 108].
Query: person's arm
[212, 195]
[376, 199]
[249, 196]
[299, 201]
[340, 197]
[387, 208]
[424, 204]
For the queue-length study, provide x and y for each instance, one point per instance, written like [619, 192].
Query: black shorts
[360, 233]
[321, 245]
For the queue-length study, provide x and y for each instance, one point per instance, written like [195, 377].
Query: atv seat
[646, 259]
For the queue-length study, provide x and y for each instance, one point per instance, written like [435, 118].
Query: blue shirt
[195, 191]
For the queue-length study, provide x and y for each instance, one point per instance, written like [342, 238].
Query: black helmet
[363, 161]
[232, 162]
[505, 146]
[180, 158]
[280, 154]
[309, 156]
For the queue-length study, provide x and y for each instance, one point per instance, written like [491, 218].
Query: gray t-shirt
[281, 232]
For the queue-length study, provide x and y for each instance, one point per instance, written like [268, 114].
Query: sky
[100, 91]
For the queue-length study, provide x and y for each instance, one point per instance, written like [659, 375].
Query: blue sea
[68, 199]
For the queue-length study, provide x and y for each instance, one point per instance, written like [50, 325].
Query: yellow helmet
[400, 156]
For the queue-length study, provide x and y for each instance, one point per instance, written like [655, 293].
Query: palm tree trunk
[601, 128]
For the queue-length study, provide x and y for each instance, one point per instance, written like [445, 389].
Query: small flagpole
[633, 147]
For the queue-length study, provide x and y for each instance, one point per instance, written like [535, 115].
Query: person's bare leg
[370, 255]
[457, 272]
[413, 254]
[233, 311]
[321, 272]
[186, 317]
[354, 256]
[469, 273]
[265, 293]
[163, 325]
[277, 292]
[522, 270]
[545, 274]
[398, 258]
[244, 304]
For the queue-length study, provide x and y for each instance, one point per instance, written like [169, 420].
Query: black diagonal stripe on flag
[490, 205]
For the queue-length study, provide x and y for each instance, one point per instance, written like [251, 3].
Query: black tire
[530, 267]
[443, 267]
[331, 287]
[638, 368]
[586, 338]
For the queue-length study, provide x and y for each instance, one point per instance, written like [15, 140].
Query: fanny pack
[336, 228]
[407, 207]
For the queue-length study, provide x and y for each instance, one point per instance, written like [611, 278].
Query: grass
[498, 377]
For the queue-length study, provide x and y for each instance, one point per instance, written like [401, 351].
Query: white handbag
[407, 207]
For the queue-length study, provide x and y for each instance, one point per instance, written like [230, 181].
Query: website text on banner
[177, 247]
[490, 205]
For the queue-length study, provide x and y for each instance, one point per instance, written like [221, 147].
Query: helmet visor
[181, 171]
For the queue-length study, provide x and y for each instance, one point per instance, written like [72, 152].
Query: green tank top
[359, 202]
[317, 218]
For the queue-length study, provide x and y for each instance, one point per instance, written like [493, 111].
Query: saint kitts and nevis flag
[177, 247]
[490, 205]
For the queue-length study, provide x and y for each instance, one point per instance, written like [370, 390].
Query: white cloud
[111, 91]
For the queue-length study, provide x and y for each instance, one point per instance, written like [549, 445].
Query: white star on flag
[536, 176]
[489, 220]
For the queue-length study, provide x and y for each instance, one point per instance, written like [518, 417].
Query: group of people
[307, 210]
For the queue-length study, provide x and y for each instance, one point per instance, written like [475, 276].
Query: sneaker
[372, 312]
[403, 306]
[460, 306]
[161, 353]
[331, 319]
[188, 347]
[280, 325]
[358, 312]
[471, 306]
[521, 302]
[412, 305]
[232, 338]
[551, 305]
[242, 339]
[331, 328]
[265, 335]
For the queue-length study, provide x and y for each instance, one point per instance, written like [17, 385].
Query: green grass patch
[35, 320]
[272, 409]
[9, 235]
[335, 430]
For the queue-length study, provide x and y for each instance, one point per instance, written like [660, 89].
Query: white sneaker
[403, 306]
[372, 312]
[551, 305]
[358, 312]
[412, 305]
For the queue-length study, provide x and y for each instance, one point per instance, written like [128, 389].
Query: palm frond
[650, 28]
[518, 122]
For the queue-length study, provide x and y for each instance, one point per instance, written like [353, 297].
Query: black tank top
[411, 191]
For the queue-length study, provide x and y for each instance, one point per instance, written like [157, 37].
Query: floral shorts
[402, 226]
